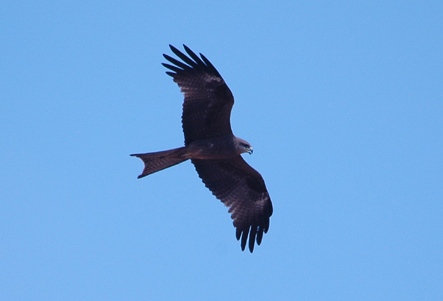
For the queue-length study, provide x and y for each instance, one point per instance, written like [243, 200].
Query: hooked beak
[250, 150]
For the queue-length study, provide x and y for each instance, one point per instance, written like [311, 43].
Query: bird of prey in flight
[212, 147]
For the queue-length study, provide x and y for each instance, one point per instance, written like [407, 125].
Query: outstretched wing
[242, 189]
[208, 100]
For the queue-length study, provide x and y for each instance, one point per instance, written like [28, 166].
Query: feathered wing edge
[189, 62]
[253, 230]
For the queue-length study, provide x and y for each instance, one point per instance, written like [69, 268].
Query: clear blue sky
[343, 103]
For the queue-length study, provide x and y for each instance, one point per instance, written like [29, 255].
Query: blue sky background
[342, 101]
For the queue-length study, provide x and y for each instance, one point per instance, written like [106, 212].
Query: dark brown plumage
[212, 147]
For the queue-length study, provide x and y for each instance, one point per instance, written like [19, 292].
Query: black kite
[213, 148]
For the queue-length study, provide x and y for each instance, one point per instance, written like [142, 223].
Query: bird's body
[213, 148]
[218, 148]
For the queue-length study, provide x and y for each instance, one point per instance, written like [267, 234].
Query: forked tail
[160, 160]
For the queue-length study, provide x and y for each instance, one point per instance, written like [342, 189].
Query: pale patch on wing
[211, 78]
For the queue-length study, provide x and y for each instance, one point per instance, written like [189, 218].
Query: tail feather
[160, 160]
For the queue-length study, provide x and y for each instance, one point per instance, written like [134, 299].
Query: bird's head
[244, 146]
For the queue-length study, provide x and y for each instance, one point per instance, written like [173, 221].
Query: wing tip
[173, 49]
[192, 60]
[250, 235]
[242, 235]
